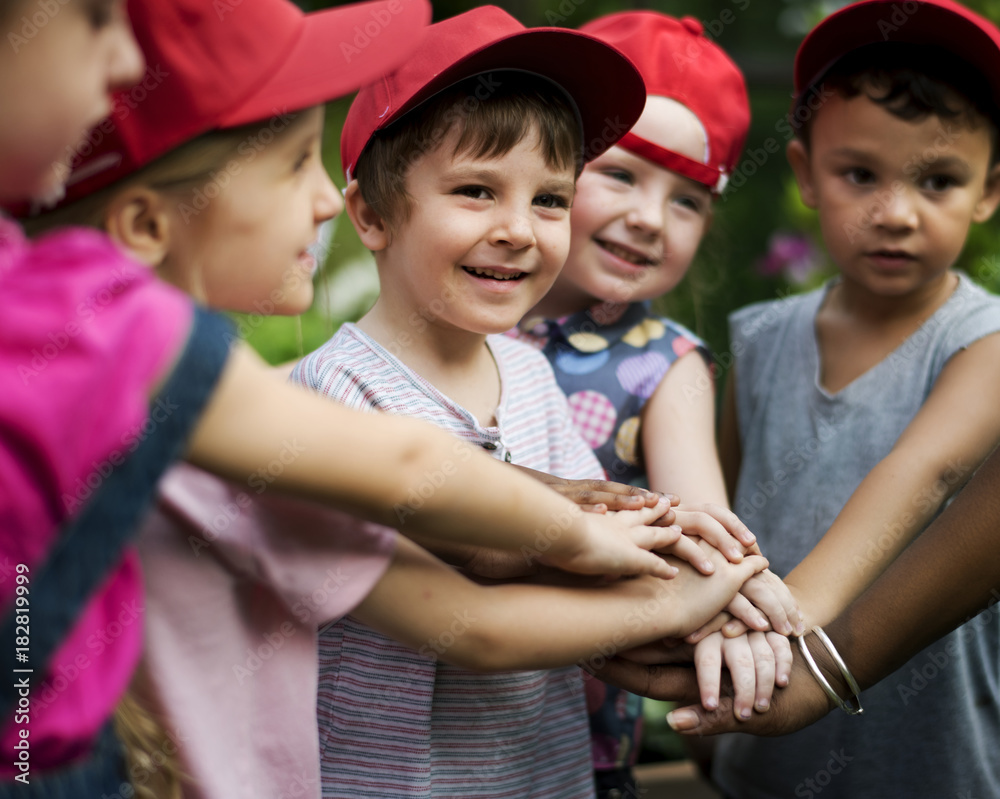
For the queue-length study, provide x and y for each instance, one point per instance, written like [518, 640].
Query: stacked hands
[727, 608]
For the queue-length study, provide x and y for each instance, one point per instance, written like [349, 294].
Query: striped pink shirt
[398, 723]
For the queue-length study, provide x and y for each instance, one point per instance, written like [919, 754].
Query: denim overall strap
[92, 543]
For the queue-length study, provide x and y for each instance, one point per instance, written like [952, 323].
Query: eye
[552, 201]
[859, 176]
[302, 160]
[620, 176]
[939, 183]
[100, 13]
[691, 203]
[473, 192]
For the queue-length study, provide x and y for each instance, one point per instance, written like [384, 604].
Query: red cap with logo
[679, 62]
[938, 23]
[604, 86]
[227, 63]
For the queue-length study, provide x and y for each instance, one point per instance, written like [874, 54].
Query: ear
[371, 228]
[991, 196]
[798, 158]
[136, 218]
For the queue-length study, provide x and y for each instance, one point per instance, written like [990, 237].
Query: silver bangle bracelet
[852, 710]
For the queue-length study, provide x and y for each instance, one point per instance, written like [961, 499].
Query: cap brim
[339, 51]
[597, 77]
[955, 28]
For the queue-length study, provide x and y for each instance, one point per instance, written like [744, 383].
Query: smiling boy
[900, 357]
[464, 164]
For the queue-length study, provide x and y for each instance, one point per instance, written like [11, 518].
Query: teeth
[495, 275]
[625, 255]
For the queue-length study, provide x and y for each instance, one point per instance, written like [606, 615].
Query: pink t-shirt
[238, 580]
[86, 334]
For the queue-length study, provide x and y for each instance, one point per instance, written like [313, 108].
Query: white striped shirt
[396, 723]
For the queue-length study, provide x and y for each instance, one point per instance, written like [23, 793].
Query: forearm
[388, 469]
[948, 575]
[888, 510]
[422, 603]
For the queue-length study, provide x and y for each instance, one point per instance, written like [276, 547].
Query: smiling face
[55, 84]
[484, 239]
[895, 197]
[636, 226]
[250, 245]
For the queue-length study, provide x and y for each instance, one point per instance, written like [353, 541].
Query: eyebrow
[952, 162]
[485, 175]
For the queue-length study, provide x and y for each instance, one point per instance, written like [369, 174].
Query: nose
[647, 215]
[328, 202]
[896, 210]
[513, 229]
[126, 62]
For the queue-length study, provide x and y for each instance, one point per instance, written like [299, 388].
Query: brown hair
[491, 124]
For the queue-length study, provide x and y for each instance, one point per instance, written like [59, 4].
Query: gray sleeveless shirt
[931, 729]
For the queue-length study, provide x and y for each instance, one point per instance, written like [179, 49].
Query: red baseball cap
[939, 23]
[679, 62]
[227, 63]
[602, 83]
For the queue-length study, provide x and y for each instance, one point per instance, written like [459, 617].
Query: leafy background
[763, 243]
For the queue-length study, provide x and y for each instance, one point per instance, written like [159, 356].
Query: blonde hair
[150, 754]
[177, 174]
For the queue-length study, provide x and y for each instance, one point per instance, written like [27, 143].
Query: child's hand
[599, 496]
[718, 526]
[612, 544]
[764, 603]
[692, 598]
[756, 662]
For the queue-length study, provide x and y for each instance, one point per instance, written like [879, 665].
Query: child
[237, 582]
[463, 163]
[864, 405]
[640, 386]
[72, 419]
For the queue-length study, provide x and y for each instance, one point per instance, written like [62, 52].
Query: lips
[494, 273]
[891, 258]
[627, 254]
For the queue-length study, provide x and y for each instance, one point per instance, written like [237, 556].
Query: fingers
[615, 495]
[715, 625]
[770, 595]
[718, 526]
[687, 549]
[742, 609]
[708, 668]
[781, 646]
[764, 672]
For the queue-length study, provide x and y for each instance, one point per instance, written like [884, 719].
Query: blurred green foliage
[761, 36]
